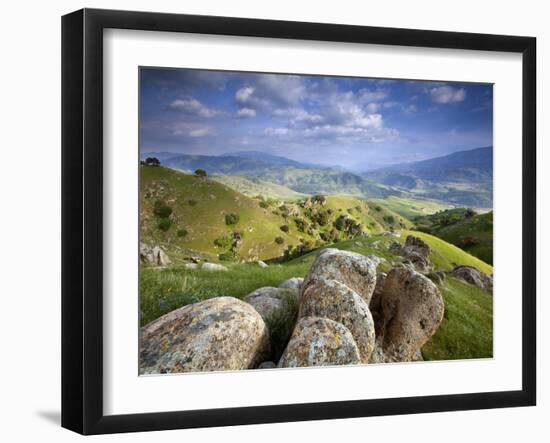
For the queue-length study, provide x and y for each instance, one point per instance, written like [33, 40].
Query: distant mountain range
[299, 177]
[464, 166]
[271, 159]
[462, 178]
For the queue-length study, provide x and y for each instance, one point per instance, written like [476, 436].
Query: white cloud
[191, 130]
[372, 108]
[411, 109]
[201, 132]
[367, 96]
[282, 89]
[297, 115]
[192, 106]
[275, 131]
[243, 95]
[447, 94]
[246, 112]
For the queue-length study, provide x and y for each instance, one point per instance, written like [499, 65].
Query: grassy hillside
[466, 331]
[469, 231]
[467, 327]
[252, 186]
[190, 215]
[411, 207]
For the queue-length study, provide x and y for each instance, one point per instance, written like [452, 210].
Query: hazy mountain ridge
[298, 177]
[462, 178]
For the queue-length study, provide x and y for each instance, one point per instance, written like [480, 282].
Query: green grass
[467, 327]
[411, 207]
[251, 187]
[163, 290]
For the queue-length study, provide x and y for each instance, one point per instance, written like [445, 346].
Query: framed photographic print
[259, 217]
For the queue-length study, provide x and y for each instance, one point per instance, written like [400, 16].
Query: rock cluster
[343, 312]
[474, 276]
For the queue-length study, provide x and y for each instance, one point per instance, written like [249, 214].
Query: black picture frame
[82, 218]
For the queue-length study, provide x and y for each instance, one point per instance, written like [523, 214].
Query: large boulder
[213, 267]
[268, 300]
[418, 262]
[417, 253]
[417, 246]
[353, 270]
[292, 283]
[153, 255]
[334, 300]
[412, 309]
[376, 259]
[218, 334]
[474, 276]
[319, 342]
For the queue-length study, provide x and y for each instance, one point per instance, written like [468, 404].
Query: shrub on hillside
[164, 224]
[152, 161]
[182, 232]
[320, 217]
[300, 224]
[349, 226]
[284, 228]
[319, 199]
[223, 242]
[162, 210]
[192, 202]
[232, 219]
[279, 240]
[200, 173]
[227, 256]
[263, 204]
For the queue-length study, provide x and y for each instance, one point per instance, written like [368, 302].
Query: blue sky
[357, 123]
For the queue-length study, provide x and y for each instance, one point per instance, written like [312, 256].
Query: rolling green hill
[466, 229]
[190, 215]
[411, 207]
[252, 186]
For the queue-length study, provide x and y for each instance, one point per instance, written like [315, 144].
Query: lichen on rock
[221, 333]
[320, 342]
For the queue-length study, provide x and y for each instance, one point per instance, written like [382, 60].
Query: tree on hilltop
[152, 161]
